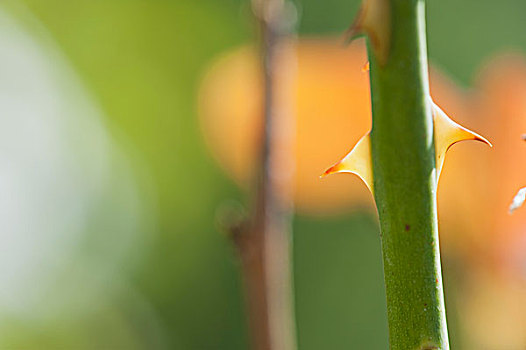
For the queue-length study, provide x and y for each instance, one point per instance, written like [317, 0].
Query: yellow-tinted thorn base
[447, 133]
[357, 161]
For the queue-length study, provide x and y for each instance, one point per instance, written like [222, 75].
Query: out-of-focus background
[113, 166]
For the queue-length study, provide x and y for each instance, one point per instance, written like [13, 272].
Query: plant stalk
[405, 182]
[265, 244]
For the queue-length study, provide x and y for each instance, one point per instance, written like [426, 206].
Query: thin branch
[264, 243]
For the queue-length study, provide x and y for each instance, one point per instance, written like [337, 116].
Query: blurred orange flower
[333, 111]
[332, 108]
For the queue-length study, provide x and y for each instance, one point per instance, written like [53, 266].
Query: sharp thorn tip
[484, 140]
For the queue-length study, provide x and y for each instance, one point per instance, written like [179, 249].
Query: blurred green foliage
[143, 60]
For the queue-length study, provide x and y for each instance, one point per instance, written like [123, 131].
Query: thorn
[373, 20]
[357, 161]
[447, 133]
[352, 33]
[366, 67]
[518, 200]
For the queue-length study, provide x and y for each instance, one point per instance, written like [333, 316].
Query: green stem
[403, 160]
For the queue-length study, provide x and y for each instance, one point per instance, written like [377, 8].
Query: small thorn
[447, 133]
[352, 33]
[366, 67]
[357, 161]
[336, 168]
[374, 20]
[518, 200]
[355, 30]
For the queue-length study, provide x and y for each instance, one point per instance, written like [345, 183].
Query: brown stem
[265, 243]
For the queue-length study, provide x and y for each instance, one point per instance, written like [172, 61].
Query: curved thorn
[518, 200]
[357, 161]
[352, 33]
[447, 133]
[374, 20]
